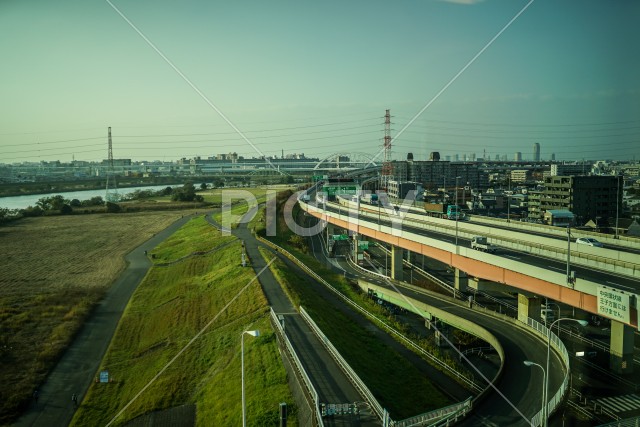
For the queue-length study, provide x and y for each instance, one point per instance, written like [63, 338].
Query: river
[22, 202]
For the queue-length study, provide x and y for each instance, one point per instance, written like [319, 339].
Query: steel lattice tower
[112, 187]
[387, 168]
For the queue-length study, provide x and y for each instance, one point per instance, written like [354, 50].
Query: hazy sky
[316, 78]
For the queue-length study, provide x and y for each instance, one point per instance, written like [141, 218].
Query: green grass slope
[172, 305]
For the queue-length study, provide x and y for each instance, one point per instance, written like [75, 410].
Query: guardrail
[557, 344]
[391, 330]
[470, 383]
[577, 257]
[298, 364]
[351, 374]
[439, 417]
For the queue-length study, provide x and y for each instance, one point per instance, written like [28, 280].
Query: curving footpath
[330, 382]
[78, 366]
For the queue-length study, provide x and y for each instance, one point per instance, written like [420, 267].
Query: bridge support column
[460, 280]
[396, 262]
[528, 307]
[621, 361]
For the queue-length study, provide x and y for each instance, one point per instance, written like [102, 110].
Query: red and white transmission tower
[387, 168]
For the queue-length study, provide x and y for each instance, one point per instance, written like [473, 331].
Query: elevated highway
[533, 265]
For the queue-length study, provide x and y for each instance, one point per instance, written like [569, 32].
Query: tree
[113, 207]
[75, 203]
[66, 209]
[203, 186]
[185, 194]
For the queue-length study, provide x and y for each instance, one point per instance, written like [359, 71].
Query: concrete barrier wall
[597, 258]
[425, 310]
[551, 276]
[622, 240]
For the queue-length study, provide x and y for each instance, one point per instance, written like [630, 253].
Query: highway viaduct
[416, 234]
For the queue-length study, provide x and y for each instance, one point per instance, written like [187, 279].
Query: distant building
[536, 152]
[588, 197]
[436, 174]
[400, 189]
[518, 156]
[570, 169]
[520, 175]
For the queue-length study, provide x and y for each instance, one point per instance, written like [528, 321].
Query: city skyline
[316, 79]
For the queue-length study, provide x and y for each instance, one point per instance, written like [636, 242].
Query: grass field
[388, 375]
[168, 309]
[54, 269]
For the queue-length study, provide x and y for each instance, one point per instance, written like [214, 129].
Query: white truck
[480, 243]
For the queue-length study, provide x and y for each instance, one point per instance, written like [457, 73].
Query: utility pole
[112, 187]
[387, 168]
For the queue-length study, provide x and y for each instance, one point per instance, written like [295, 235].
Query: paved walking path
[76, 370]
[328, 379]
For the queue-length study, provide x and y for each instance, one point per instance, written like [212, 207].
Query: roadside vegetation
[168, 309]
[54, 270]
[388, 374]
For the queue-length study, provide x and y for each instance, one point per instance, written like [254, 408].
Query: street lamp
[509, 201]
[617, 202]
[569, 278]
[255, 333]
[457, 213]
[546, 385]
[544, 379]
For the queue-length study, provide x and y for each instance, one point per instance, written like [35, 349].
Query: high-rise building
[536, 152]
[518, 156]
[553, 157]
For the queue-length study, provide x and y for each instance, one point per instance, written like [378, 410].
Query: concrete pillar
[528, 307]
[396, 262]
[461, 280]
[621, 361]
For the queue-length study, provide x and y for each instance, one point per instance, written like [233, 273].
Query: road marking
[512, 256]
[618, 404]
[557, 268]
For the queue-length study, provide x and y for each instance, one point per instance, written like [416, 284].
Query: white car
[589, 241]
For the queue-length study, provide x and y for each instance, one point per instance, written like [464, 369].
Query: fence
[351, 374]
[302, 374]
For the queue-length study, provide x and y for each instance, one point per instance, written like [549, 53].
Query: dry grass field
[53, 270]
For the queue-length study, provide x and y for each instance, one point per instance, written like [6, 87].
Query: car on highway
[589, 241]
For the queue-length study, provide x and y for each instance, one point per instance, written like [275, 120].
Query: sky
[262, 78]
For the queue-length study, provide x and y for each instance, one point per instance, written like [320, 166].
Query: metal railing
[298, 365]
[438, 417]
[351, 374]
[558, 345]
[468, 381]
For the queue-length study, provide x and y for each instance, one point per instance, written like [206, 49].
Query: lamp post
[509, 201]
[457, 213]
[544, 379]
[568, 254]
[617, 202]
[255, 333]
[546, 385]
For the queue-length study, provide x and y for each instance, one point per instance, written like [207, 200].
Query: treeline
[58, 205]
